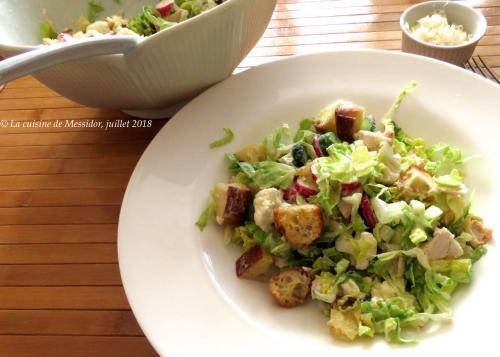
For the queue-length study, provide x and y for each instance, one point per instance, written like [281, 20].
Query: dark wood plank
[75, 346]
[58, 233]
[62, 198]
[79, 323]
[63, 298]
[58, 253]
[57, 215]
[60, 275]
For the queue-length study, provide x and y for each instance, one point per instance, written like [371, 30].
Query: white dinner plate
[181, 283]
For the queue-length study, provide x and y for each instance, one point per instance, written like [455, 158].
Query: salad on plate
[150, 20]
[372, 224]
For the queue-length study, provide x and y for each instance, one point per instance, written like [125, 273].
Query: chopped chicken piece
[443, 246]
[371, 139]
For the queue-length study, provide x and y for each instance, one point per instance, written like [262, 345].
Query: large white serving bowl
[164, 69]
[181, 283]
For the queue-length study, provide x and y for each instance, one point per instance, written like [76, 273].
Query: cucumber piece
[368, 123]
[299, 155]
[326, 140]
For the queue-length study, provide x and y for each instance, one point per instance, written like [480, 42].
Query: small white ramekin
[472, 21]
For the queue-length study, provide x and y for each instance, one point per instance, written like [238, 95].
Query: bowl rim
[13, 48]
[483, 26]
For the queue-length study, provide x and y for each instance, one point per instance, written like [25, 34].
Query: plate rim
[231, 78]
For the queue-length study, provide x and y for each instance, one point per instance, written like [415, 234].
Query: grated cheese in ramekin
[435, 29]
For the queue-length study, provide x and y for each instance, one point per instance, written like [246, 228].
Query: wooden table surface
[61, 188]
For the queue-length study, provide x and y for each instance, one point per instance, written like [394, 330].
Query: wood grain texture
[67, 297]
[79, 323]
[52, 253]
[84, 197]
[61, 187]
[60, 275]
[58, 233]
[75, 346]
[84, 151]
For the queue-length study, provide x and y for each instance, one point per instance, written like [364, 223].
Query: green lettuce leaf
[148, 22]
[453, 180]
[478, 253]
[223, 141]
[387, 317]
[279, 142]
[395, 105]
[442, 158]
[94, 8]
[268, 174]
[363, 161]
[250, 234]
[388, 213]
[47, 31]
[207, 213]
[460, 270]
[324, 287]
[263, 174]
[305, 132]
[383, 232]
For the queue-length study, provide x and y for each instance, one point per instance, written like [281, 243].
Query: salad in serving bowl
[374, 225]
[150, 20]
[158, 71]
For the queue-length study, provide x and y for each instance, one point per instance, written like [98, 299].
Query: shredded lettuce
[460, 270]
[453, 180]
[278, 143]
[47, 30]
[267, 174]
[305, 132]
[263, 174]
[374, 266]
[148, 22]
[94, 9]
[324, 287]
[388, 213]
[225, 140]
[442, 158]
[207, 213]
[362, 160]
[395, 106]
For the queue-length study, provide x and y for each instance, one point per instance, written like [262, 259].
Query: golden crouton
[232, 202]
[254, 263]
[252, 153]
[325, 120]
[290, 287]
[349, 119]
[300, 225]
[416, 183]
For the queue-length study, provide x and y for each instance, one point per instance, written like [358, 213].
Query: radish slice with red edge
[317, 146]
[165, 7]
[290, 194]
[64, 37]
[349, 188]
[305, 189]
[366, 211]
[314, 172]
